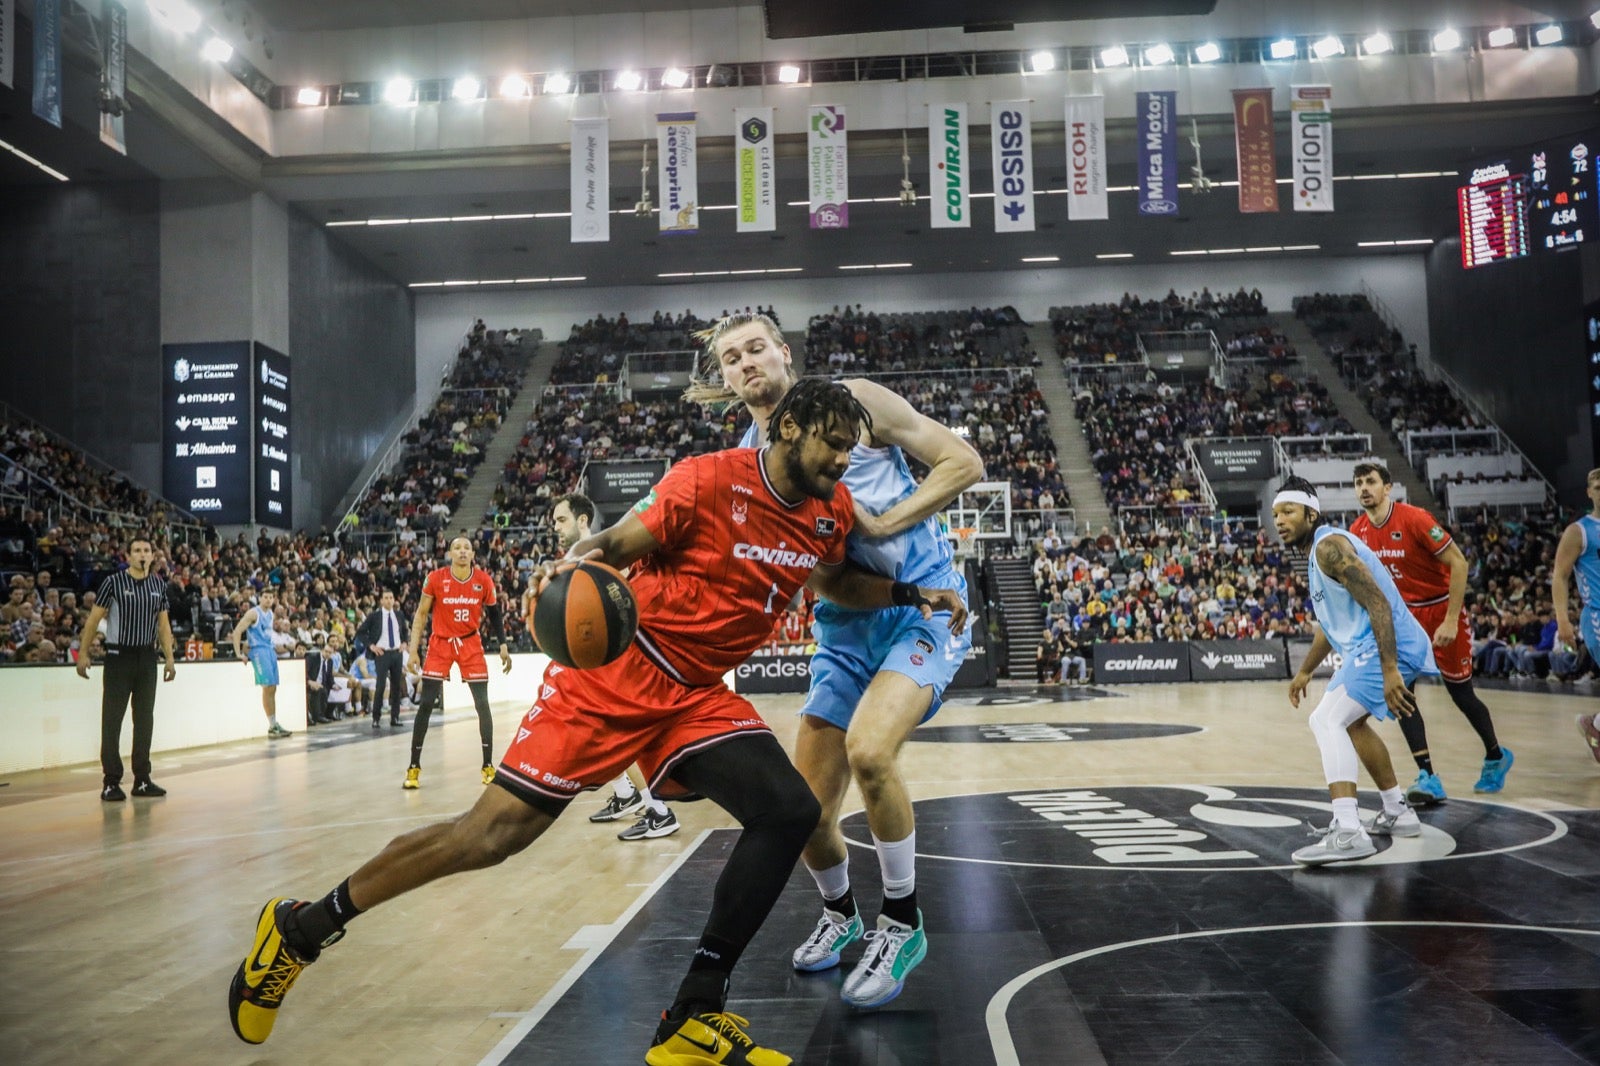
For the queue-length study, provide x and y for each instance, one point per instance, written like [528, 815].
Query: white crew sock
[832, 882]
[1346, 815]
[898, 862]
[653, 805]
[1393, 799]
[623, 787]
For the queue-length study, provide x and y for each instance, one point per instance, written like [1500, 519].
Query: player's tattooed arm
[1339, 562]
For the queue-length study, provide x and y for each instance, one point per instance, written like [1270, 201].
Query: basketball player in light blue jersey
[876, 675]
[1360, 615]
[254, 629]
[1579, 552]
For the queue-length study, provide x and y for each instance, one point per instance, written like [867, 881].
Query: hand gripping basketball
[585, 615]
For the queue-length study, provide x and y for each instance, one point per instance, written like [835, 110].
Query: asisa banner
[1012, 142]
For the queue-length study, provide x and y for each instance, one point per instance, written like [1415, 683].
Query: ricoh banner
[1086, 159]
[1012, 141]
[1311, 140]
[827, 169]
[680, 187]
[947, 166]
[591, 180]
[1155, 124]
[1126, 663]
[753, 178]
[1238, 660]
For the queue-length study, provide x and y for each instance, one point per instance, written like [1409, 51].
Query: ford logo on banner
[1158, 152]
[1158, 207]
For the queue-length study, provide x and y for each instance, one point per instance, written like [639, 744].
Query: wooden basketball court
[120, 924]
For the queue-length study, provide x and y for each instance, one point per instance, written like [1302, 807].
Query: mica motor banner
[680, 186]
[1086, 159]
[1311, 140]
[1257, 155]
[1012, 142]
[827, 168]
[1155, 125]
[948, 160]
[754, 176]
[591, 180]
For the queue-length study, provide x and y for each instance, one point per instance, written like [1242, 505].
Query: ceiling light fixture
[674, 78]
[177, 14]
[1209, 52]
[515, 87]
[466, 89]
[26, 158]
[1446, 41]
[1042, 61]
[557, 84]
[1500, 38]
[1328, 47]
[1376, 45]
[628, 81]
[1547, 35]
[217, 50]
[788, 74]
[398, 91]
[1115, 56]
[1284, 48]
[308, 97]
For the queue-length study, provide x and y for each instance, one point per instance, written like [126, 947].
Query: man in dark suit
[386, 633]
[323, 666]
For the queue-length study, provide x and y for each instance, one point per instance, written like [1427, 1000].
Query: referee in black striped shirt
[135, 602]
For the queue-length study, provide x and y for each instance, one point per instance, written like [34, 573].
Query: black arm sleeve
[497, 627]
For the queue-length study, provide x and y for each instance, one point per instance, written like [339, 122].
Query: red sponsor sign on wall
[1258, 158]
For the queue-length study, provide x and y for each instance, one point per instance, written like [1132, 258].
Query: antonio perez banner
[753, 178]
[680, 186]
[1155, 124]
[1253, 145]
[1012, 142]
[947, 166]
[1311, 137]
[1086, 158]
[827, 170]
[591, 180]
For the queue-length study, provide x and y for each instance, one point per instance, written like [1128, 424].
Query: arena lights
[1328, 47]
[1158, 55]
[399, 91]
[1594, 20]
[1209, 52]
[466, 89]
[1446, 41]
[306, 96]
[26, 158]
[1376, 45]
[515, 87]
[1503, 37]
[788, 74]
[1547, 35]
[557, 84]
[1283, 48]
[177, 14]
[1042, 61]
[217, 50]
[628, 81]
[1115, 56]
[674, 78]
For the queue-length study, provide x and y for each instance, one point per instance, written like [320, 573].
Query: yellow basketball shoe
[709, 1040]
[266, 974]
[413, 777]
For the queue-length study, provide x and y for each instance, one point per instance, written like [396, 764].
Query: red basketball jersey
[733, 554]
[458, 605]
[1409, 542]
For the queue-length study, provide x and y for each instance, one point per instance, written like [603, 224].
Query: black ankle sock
[319, 924]
[902, 910]
[704, 991]
[1424, 763]
[845, 904]
[1494, 753]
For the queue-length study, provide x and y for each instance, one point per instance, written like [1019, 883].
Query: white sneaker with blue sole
[893, 951]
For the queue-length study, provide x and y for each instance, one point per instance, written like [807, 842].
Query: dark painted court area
[1157, 924]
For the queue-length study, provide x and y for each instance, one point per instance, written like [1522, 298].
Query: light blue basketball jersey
[1346, 623]
[1587, 569]
[879, 478]
[259, 635]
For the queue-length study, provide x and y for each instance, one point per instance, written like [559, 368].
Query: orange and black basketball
[586, 616]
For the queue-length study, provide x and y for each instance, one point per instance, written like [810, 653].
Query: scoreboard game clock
[1565, 211]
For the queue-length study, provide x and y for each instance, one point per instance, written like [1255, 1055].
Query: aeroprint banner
[680, 185]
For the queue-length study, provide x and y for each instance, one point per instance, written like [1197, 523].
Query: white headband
[1304, 499]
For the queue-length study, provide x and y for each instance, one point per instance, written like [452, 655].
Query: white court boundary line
[1005, 1050]
[1560, 830]
[535, 1014]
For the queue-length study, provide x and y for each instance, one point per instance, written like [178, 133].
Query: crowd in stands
[1403, 400]
[1109, 332]
[1260, 342]
[849, 341]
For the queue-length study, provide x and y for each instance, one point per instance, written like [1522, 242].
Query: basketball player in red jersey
[457, 596]
[1431, 574]
[719, 546]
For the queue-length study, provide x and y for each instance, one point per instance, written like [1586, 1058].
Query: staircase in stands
[1021, 614]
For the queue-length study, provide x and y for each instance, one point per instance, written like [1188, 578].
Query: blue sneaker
[1493, 778]
[1427, 789]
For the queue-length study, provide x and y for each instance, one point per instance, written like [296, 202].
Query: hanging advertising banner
[591, 180]
[1155, 124]
[680, 189]
[827, 170]
[1311, 137]
[47, 61]
[114, 76]
[1012, 143]
[1253, 147]
[754, 175]
[1086, 158]
[947, 166]
[274, 442]
[8, 41]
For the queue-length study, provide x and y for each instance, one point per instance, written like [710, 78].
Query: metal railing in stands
[1144, 517]
[1506, 442]
[1332, 444]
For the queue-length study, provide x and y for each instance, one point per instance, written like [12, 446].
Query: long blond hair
[707, 387]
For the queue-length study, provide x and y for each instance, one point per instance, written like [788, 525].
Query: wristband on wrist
[905, 594]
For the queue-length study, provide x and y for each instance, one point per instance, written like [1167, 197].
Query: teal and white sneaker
[893, 950]
[1426, 790]
[1493, 778]
[834, 933]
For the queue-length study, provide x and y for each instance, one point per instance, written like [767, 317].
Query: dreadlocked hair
[817, 403]
[708, 388]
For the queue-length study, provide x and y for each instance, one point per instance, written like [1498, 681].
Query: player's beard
[811, 484]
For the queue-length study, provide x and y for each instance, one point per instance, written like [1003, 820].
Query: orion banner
[47, 61]
[680, 187]
[947, 166]
[1012, 142]
[114, 76]
[754, 174]
[1155, 124]
[827, 169]
[591, 180]
[8, 41]
[1086, 158]
[1311, 137]
[1254, 148]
